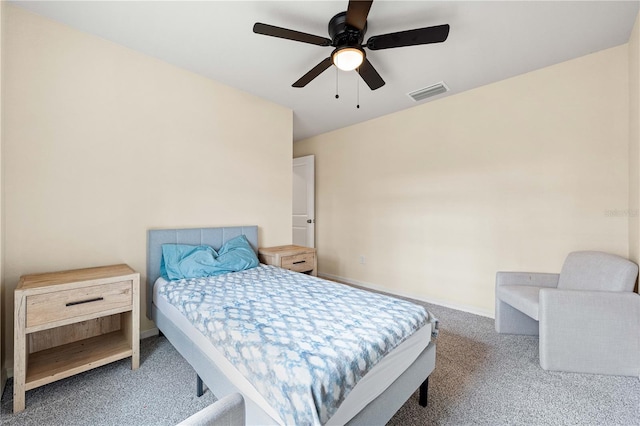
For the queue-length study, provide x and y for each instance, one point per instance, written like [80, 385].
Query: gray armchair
[587, 317]
[227, 411]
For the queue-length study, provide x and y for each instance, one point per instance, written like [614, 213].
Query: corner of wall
[634, 143]
[3, 371]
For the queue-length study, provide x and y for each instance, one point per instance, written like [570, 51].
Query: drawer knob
[299, 261]
[97, 299]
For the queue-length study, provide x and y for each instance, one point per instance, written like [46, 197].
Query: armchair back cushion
[597, 271]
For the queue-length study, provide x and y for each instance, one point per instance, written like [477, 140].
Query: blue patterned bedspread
[303, 342]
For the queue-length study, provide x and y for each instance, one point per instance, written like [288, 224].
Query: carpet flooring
[480, 378]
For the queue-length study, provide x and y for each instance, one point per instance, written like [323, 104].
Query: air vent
[429, 91]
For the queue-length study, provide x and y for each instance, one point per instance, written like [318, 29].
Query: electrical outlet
[363, 259]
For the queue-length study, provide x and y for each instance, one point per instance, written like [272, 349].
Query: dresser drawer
[61, 305]
[299, 262]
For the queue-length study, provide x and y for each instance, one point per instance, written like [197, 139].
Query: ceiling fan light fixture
[348, 58]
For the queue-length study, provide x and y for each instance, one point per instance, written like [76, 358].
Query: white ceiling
[489, 41]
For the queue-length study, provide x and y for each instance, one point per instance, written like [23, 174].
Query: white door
[304, 223]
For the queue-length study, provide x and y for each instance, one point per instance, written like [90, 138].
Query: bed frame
[379, 411]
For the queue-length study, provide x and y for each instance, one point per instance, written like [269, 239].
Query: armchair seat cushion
[524, 298]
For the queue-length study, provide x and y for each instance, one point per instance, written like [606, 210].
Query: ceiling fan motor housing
[343, 34]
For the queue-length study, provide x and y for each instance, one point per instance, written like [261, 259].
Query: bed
[373, 399]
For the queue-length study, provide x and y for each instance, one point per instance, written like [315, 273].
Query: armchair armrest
[227, 411]
[590, 331]
[536, 279]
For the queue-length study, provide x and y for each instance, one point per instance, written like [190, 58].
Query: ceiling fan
[347, 30]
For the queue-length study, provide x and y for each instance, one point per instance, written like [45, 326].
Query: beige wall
[102, 143]
[634, 143]
[509, 176]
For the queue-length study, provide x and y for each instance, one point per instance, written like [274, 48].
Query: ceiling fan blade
[436, 34]
[313, 73]
[273, 31]
[357, 13]
[370, 75]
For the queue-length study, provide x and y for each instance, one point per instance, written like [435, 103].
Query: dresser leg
[18, 396]
[19, 353]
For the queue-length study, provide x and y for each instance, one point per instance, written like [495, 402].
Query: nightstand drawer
[299, 263]
[292, 257]
[61, 305]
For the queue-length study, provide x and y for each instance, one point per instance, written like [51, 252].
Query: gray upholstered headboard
[214, 237]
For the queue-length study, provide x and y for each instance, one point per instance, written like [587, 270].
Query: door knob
[310, 221]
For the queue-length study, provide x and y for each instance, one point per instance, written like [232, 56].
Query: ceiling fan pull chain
[358, 88]
[337, 96]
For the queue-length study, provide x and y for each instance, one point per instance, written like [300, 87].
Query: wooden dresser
[72, 321]
[294, 258]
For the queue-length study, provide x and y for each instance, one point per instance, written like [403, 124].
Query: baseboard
[148, 333]
[458, 307]
[3, 380]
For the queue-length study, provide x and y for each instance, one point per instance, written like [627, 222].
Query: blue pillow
[185, 261]
[237, 255]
